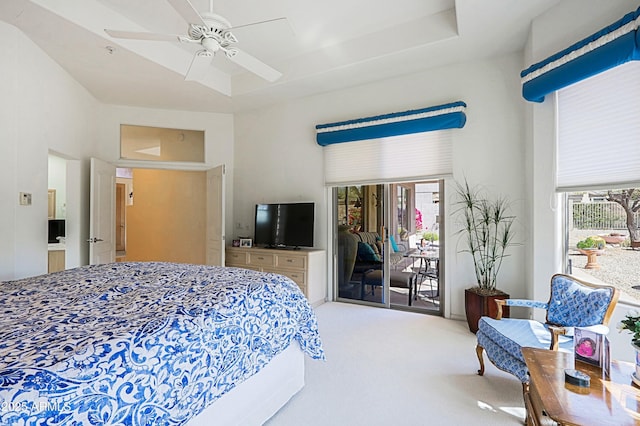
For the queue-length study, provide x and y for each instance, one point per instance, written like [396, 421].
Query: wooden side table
[549, 401]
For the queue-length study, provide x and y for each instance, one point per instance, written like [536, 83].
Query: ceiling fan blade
[235, 27]
[133, 35]
[199, 65]
[255, 65]
[187, 11]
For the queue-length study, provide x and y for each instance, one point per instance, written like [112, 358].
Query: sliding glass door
[360, 244]
[388, 244]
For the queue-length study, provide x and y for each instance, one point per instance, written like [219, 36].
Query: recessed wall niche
[161, 144]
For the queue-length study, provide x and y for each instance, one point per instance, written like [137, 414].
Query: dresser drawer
[260, 259]
[305, 267]
[236, 259]
[297, 276]
[298, 262]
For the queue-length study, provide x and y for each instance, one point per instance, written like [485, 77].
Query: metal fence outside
[599, 215]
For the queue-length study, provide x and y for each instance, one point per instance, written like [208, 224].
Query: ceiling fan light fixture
[213, 33]
[210, 44]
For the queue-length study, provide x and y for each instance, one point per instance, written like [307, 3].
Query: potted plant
[631, 323]
[591, 243]
[592, 247]
[487, 228]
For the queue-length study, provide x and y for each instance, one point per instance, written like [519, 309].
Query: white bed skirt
[258, 398]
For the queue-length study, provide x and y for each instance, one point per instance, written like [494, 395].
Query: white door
[102, 210]
[215, 216]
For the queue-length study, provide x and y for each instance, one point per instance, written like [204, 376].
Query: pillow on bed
[366, 253]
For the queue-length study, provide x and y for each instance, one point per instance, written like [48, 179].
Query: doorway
[388, 245]
[165, 219]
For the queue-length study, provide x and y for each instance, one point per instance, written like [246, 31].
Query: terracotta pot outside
[613, 239]
[586, 252]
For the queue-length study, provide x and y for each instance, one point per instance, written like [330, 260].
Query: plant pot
[592, 258]
[613, 238]
[478, 303]
[635, 376]
[587, 251]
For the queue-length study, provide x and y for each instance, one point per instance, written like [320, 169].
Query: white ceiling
[321, 45]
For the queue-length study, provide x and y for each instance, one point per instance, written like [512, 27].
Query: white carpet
[387, 367]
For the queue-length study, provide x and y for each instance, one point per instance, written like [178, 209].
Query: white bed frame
[258, 398]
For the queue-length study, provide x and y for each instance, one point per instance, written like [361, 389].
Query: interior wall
[277, 158]
[167, 219]
[41, 109]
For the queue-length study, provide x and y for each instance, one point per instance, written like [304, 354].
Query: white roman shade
[598, 141]
[409, 145]
[416, 156]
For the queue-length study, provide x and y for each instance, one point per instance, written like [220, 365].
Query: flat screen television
[286, 225]
[56, 229]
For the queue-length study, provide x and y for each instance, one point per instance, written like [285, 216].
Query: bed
[151, 344]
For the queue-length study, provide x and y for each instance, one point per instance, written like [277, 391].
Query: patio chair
[573, 303]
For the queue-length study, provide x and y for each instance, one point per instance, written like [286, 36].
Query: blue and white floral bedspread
[140, 343]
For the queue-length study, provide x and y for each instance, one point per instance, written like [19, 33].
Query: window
[598, 131]
[403, 212]
[605, 221]
[597, 153]
[350, 207]
[160, 144]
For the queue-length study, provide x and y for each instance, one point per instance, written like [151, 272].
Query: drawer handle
[290, 260]
[260, 258]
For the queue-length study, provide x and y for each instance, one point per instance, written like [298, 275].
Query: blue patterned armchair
[573, 303]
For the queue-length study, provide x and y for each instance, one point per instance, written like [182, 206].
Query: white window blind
[598, 142]
[408, 157]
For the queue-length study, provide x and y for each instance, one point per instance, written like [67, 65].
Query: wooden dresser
[307, 267]
[551, 401]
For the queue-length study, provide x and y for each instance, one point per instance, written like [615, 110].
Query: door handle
[94, 240]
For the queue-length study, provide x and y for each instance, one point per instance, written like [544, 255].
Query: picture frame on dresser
[246, 242]
[592, 348]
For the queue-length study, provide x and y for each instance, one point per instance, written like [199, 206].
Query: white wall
[557, 29]
[277, 158]
[41, 109]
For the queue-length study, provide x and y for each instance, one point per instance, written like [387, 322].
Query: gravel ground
[619, 266]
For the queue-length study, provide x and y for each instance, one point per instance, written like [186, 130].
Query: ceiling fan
[213, 33]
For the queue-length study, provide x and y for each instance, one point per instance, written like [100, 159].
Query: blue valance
[449, 116]
[614, 45]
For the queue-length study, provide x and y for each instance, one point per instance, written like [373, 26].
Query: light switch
[25, 199]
